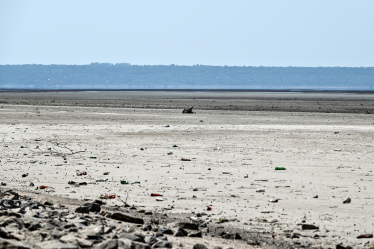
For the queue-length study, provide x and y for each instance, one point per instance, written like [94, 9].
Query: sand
[328, 155]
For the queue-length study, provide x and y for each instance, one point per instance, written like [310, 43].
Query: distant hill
[126, 76]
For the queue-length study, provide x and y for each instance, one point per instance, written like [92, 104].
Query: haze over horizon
[236, 33]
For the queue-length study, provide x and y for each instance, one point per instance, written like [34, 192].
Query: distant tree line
[126, 76]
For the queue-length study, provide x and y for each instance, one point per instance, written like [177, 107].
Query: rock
[69, 238]
[14, 222]
[217, 247]
[85, 242]
[83, 210]
[185, 225]
[179, 232]
[232, 236]
[295, 236]
[5, 244]
[147, 228]
[199, 246]
[308, 227]
[108, 244]
[131, 237]
[3, 233]
[162, 244]
[348, 200]
[95, 207]
[150, 240]
[47, 203]
[127, 217]
[7, 203]
[95, 237]
[167, 231]
[197, 234]
[55, 244]
[13, 214]
[340, 246]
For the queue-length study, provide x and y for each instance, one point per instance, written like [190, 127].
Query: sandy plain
[325, 142]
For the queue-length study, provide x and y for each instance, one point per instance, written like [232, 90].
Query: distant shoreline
[194, 90]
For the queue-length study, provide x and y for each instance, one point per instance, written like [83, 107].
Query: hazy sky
[153, 32]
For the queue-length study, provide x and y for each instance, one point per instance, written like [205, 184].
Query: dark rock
[188, 225]
[47, 203]
[13, 214]
[34, 226]
[108, 244]
[147, 228]
[16, 222]
[3, 233]
[83, 210]
[199, 246]
[95, 207]
[308, 227]
[127, 217]
[162, 244]
[11, 244]
[340, 246]
[180, 232]
[195, 234]
[55, 244]
[232, 236]
[295, 236]
[167, 231]
[7, 203]
[217, 247]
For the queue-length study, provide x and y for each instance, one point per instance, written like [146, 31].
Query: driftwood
[188, 110]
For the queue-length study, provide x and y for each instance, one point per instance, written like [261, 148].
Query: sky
[206, 32]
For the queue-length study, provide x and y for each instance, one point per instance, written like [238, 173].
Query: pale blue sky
[208, 32]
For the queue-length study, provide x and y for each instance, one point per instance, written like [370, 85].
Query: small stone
[195, 234]
[199, 246]
[348, 200]
[95, 207]
[167, 231]
[179, 232]
[308, 227]
[127, 217]
[83, 210]
[234, 236]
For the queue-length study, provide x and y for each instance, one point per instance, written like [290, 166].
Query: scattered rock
[308, 227]
[180, 232]
[127, 217]
[199, 246]
[83, 210]
[194, 234]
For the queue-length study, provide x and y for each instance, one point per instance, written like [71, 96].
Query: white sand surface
[325, 154]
